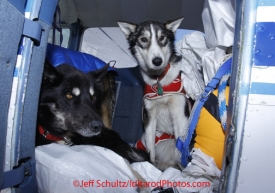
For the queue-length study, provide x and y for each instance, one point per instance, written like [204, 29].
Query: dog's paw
[152, 156]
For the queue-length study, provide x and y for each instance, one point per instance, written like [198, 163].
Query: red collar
[47, 135]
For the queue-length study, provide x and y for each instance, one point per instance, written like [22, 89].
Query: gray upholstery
[105, 13]
[12, 22]
[10, 32]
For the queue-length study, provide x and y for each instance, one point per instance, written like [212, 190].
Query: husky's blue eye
[144, 39]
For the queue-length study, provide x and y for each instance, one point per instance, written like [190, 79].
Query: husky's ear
[173, 25]
[127, 28]
[100, 73]
[50, 74]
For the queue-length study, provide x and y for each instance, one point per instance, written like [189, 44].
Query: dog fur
[70, 108]
[152, 45]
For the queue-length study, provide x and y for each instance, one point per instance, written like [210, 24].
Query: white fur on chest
[165, 110]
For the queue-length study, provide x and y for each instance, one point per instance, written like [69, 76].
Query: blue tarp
[84, 62]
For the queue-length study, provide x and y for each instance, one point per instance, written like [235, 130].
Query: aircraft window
[65, 37]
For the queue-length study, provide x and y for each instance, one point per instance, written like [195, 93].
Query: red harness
[159, 137]
[47, 135]
[151, 92]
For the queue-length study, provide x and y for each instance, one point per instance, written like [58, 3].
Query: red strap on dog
[164, 136]
[174, 87]
[47, 135]
[139, 145]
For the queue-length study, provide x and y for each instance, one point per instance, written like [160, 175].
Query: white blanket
[84, 168]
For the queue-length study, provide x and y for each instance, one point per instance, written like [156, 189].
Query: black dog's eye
[69, 96]
[144, 39]
[93, 97]
[161, 38]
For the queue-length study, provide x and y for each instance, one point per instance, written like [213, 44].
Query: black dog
[70, 111]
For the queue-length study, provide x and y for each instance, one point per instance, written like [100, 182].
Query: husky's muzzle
[157, 61]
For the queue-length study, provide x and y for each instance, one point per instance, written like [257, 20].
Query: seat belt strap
[17, 175]
[183, 142]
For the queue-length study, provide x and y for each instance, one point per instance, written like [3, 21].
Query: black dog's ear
[99, 74]
[51, 75]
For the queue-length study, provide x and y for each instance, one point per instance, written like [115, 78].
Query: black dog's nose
[96, 126]
[157, 61]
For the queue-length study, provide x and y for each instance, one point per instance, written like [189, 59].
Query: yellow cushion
[210, 136]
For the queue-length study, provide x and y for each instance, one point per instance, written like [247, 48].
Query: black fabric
[127, 119]
[212, 106]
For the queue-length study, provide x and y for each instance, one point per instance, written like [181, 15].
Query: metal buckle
[207, 95]
[68, 141]
[45, 134]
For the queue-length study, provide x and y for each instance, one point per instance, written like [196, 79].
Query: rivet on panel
[261, 28]
[258, 51]
[270, 56]
[248, 134]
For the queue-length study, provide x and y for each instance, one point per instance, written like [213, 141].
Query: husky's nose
[96, 126]
[157, 61]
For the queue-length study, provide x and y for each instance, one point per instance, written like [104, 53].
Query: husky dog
[152, 45]
[70, 111]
